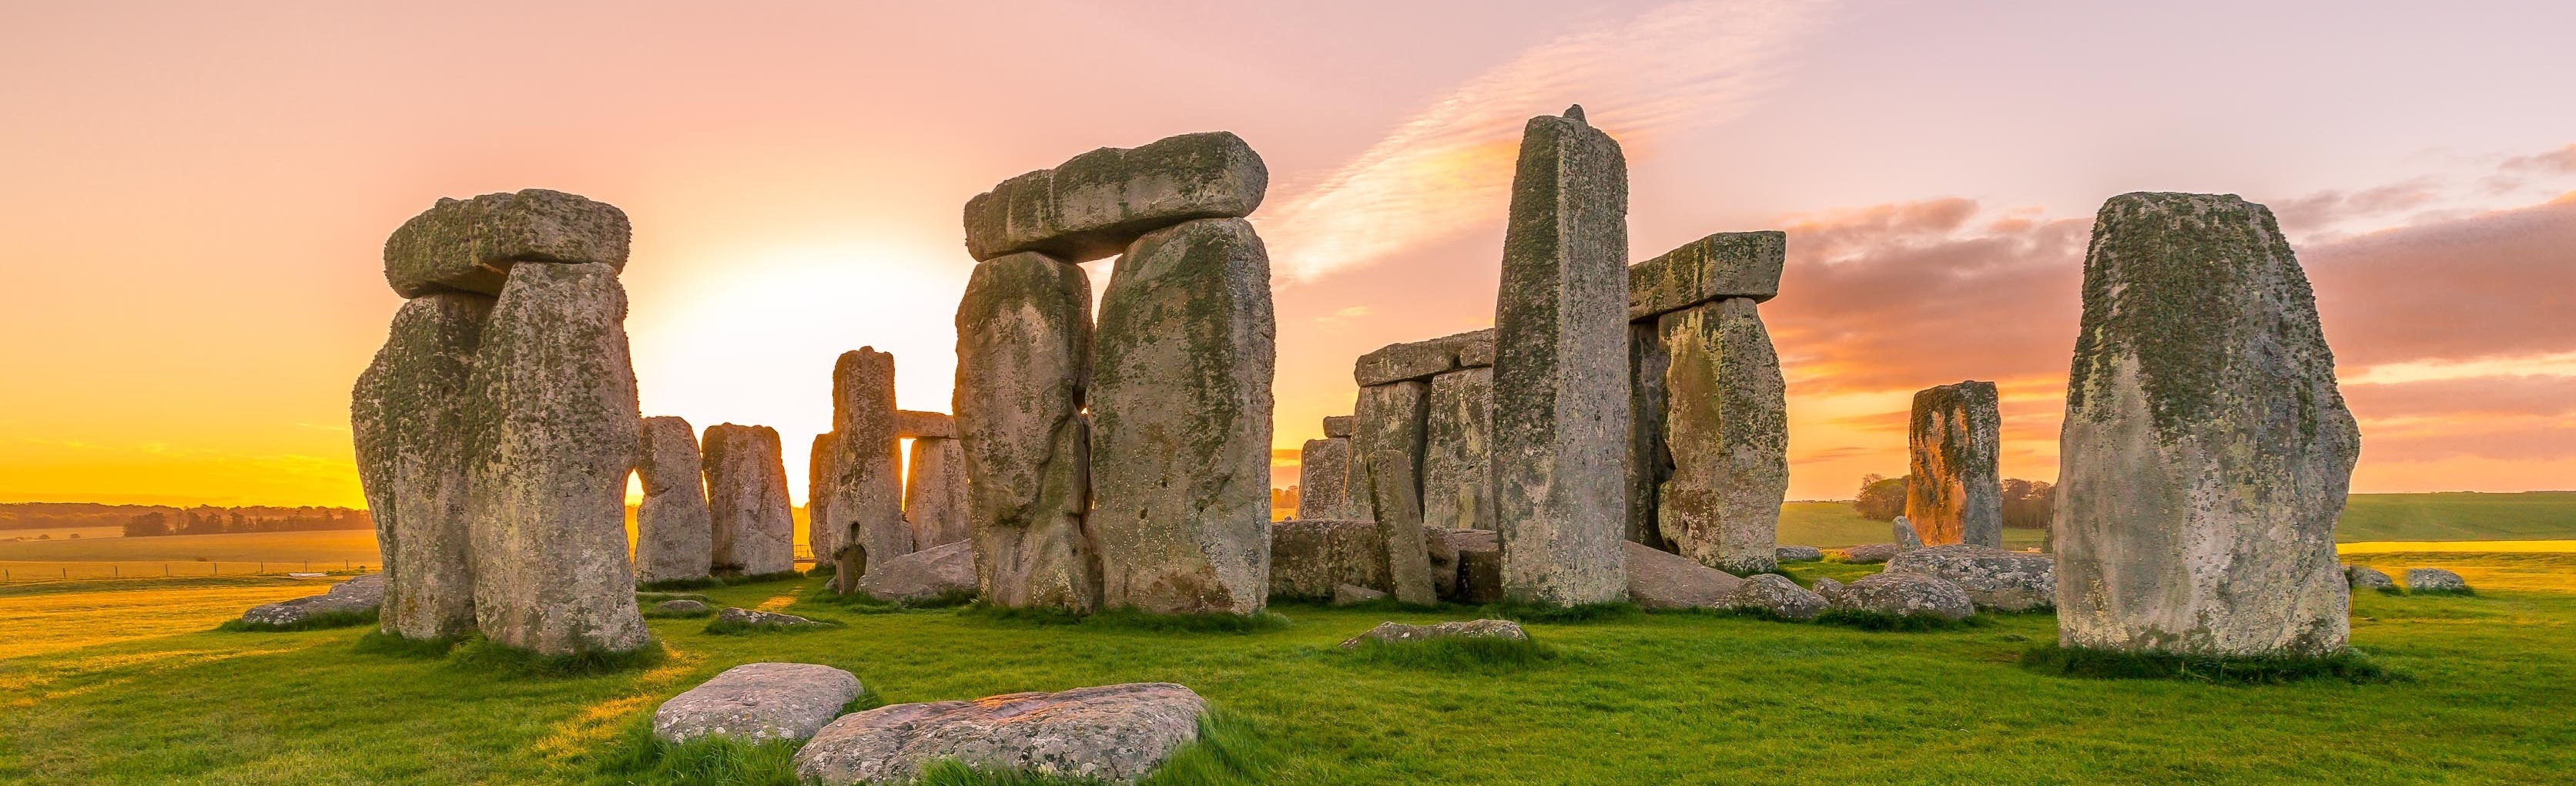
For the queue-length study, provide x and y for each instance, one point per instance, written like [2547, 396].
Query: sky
[194, 196]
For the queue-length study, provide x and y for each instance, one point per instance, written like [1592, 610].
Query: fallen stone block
[923, 575]
[1992, 577]
[1660, 580]
[1905, 595]
[1114, 733]
[1774, 594]
[1400, 633]
[1798, 553]
[355, 596]
[758, 701]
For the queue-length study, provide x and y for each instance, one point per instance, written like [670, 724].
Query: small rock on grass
[1348, 594]
[1114, 733]
[680, 607]
[1776, 594]
[1906, 595]
[2434, 580]
[1397, 632]
[1798, 554]
[761, 619]
[2364, 577]
[1871, 554]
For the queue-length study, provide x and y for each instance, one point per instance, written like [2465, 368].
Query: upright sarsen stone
[1323, 474]
[934, 493]
[1180, 407]
[1650, 463]
[2206, 451]
[409, 415]
[1458, 435]
[1023, 353]
[1391, 418]
[1097, 203]
[867, 484]
[755, 528]
[1955, 436]
[559, 431]
[1726, 432]
[823, 532]
[470, 244]
[674, 530]
[1561, 414]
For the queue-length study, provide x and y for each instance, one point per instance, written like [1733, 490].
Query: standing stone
[934, 493]
[1023, 349]
[1391, 417]
[867, 484]
[1955, 436]
[1323, 475]
[1726, 427]
[1903, 531]
[1650, 463]
[1560, 368]
[410, 415]
[1180, 407]
[674, 530]
[755, 529]
[1399, 523]
[1309, 557]
[1456, 485]
[470, 244]
[1097, 203]
[822, 533]
[2206, 450]
[557, 434]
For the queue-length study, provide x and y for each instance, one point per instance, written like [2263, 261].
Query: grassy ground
[2538, 515]
[137, 689]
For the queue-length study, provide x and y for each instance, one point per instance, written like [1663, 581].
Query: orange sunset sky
[194, 196]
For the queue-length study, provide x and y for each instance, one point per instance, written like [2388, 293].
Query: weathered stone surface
[1387, 417]
[1422, 360]
[923, 575]
[409, 416]
[1775, 594]
[1904, 595]
[1954, 438]
[1115, 733]
[1798, 553]
[470, 244]
[1832, 591]
[1994, 578]
[674, 528]
[2364, 577]
[867, 494]
[934, 493]
[2434, 580]
[762, 619]
[1457, 484]
[1399, 523]
[758, 701]
[1023, 354]
[1650, 462]
[822, 532]
[2206, 450]
[1660, 580]
[1560, 368]
[1722, 266]
[1340, 426]
[1180, 407]
[1903, 531]
[1098, 203]
[915, 424]
[555, 390]
[1308, 557]
[682, 606]
[755, 528]
[1871, 554]
[1444, 544]
[1726, 430]
[1400, 633]
[355, 596]
[1480, 574]
[1323, 478]
[1347, 595]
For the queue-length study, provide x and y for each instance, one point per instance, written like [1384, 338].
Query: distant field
[2536, 515]
[61, 533]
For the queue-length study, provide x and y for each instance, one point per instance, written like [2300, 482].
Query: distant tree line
[1283, 501]
[218, 521]
[2028, 504]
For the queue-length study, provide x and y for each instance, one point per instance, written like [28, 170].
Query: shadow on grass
[725, 627]
[2462, 592]
[2348, 665]
[864, 603]
[1894, 623]
[669, 585]
[321, 621]
[476, 653]
[655, 612]
[378, 642]
[1130, 619]
[1589, 612]
[1479, 654]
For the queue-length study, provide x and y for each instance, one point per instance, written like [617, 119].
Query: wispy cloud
[1448, 168]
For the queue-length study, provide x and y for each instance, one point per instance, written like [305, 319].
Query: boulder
[1953, 438]
[1830, 590]
[1723, 266]
[355, 596]
[2206, 449]
[1023, 350]
[732, 615]
[1904, 595]
[1113, 733]
[674, 528]
[1098, 203]
[1561, 409]
[1400, 633]
[1906, 538]
[1422, 360]
[1871, 553]
[758, 701]
[1726, 433]
[1457, 486]
[923, 575]
[1182, 362]
[1339, 426]
[1994, 578]
[746, 472]
[547, 492]
[682, 606]
[1798, 553]
[1776, 595]
[411, 418]
[1660, 580]
[470, 244]
[915, 424]
[2420, 580]
[2364, 577]
[1323, 474]
[1309, 557]
[867, 492]
[1347, 595]
[934, 493]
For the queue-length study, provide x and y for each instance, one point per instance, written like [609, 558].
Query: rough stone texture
[1114, 733]
[758, 701]
[1400, 633]
[1387, 417]
[1650, 462]
[2434, 580]
[1399, 523]
[1776, 594]
[916, 424]
[1023, 354]
[1903, 530]
[1832, 591]
[682, 606]
[1480, 574]
[1347, 595]
[923, 575]
[1323, 479]
[1180, 408]
[1722, 266]
[1422, 360]
[556, 390]
[1994, 578]
[762, 619]
[1954, 438]
[867, 494]
[934, 493]
[1445, 545]
[1457, 486]
[1726, 431]
[1340, 426]
[2206, 450]
[357, 595]
[674, 528]
[470, 244]
[755, 528]
[1660, 580]
[1560, 368]
[1798, 553]
[1871, 554]
[2364, 577]
[1308, 557]
[409, 417]
[1905, 595]
[1097, 203]
[822, 535]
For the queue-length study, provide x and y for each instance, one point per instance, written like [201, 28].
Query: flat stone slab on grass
[923, 575]
[358, 595]
[1992, 577]
[681, 606]
[758, 701]
[1347, 595]
[1871, 554]
[1798, 553]
[2366, 577]
[2434, 580]
[1398, 633]
[1664, 580]
[1904, 595]
[1774, 593]
[1115, 733]
[762, 619]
